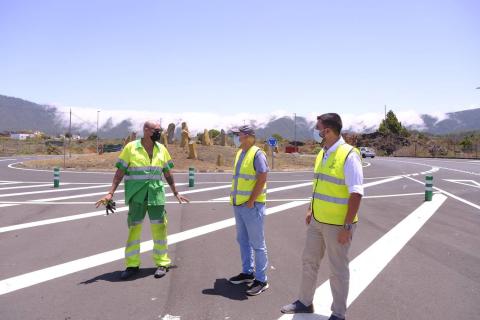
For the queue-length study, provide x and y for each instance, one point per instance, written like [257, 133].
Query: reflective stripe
[144, 177]
[132, 169]
[133, 243]
[245, 193]
[160, 242]
[168, 165]
[155, 251]
[245, 176]
[123, 163]
[132, 253]
[157, 221]
[330, 199]
[324, 177]
[136, 223]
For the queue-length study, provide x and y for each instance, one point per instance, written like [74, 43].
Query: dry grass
[207, 161]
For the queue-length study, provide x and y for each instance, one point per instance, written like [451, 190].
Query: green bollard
[56, 177]
[191, 177]
[428, 188]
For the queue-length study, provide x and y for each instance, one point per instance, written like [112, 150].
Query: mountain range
[18, 114]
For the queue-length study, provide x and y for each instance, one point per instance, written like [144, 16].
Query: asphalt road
[61, 257]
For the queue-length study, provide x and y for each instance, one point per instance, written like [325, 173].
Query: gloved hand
[110, 207]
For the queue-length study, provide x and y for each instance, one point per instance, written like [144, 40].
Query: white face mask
[236, 141]
[316, 136]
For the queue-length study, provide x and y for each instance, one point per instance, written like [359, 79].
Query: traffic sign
[272, 142]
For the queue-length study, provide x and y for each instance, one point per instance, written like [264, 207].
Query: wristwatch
[348, 226]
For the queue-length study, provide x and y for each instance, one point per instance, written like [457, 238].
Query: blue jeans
[251, 238]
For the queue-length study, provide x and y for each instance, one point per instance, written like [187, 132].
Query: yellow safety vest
[330, 193]
[244, 183]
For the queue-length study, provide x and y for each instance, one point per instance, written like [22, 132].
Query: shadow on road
[114, 276]
[225, 289]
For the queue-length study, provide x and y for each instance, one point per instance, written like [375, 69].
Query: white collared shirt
[353, 168]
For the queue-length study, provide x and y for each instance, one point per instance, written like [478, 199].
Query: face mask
[317, 136]
[155, 136]
[236, 141]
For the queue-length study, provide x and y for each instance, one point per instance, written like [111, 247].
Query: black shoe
[130, 271]
[297, 307]
[161, 271]
[257, 287]
[332, 317]
[242, 278]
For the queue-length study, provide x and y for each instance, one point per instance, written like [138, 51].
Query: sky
[250, 58]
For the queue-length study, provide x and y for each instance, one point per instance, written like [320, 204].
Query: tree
[213, 133]
[467, 143]
[393, 126]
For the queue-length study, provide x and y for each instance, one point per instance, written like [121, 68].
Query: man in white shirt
[337, 192]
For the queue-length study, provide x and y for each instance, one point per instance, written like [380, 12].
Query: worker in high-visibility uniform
[143, 162]
[337, 192]
[248, 197]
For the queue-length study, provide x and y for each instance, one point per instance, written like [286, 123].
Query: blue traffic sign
[272, 142]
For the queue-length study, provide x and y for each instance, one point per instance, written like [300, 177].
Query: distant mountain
[17, 114]
[460, 121]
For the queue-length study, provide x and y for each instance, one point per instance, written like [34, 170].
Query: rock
[185, 135]
[164, 139]
[192, 150]
[206, 141]
[171, 133]
[220, 160]
[223, 138]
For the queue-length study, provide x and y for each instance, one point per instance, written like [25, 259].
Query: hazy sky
[226, 57]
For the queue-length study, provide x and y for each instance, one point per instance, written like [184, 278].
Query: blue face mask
[317, 135]
[236, 141]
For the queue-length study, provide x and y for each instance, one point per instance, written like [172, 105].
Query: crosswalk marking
[367, 265]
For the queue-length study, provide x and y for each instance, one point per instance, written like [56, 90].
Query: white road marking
[89, 214]
[366, 266]
[205, 201]
[53, 190]
[43, 275]
[293, 186]
[31, 186]
[470, 183]
[445, 168]
[451, 195]
[8, 159]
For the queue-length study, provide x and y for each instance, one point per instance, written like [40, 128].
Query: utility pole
[385, 112]
[98, 119]
[70, 136]
[295, 131]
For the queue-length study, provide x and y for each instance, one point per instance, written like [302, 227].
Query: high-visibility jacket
[330, 193]
[244, 183]
[143, 174]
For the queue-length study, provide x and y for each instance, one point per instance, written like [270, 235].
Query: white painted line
[7, 205]
[8, 183]
[293, 186]
[12, 166]
[31, 186]
[451, 195]
[374, 183]
[445, 168]
[53, 190]
[366, 266]
[88, 214]
[8, 159]
[470, 183]
[50, 273]
[35, 202]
